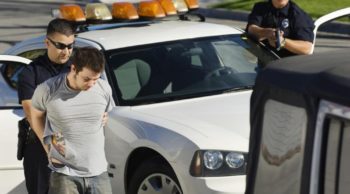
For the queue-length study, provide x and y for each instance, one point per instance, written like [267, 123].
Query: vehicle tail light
[151, 9]
[180, 5]
[97, 11]
[168, 7]
[192, 4]
[72, 12]
[124, 10]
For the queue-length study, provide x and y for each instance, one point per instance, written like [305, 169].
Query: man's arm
[26, 86]
[261, 33]
[299, 47]
[38, 124]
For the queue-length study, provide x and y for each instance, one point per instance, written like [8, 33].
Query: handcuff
[283, 42]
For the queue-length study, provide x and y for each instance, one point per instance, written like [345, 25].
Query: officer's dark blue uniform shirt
[38, 71]
[293, 21]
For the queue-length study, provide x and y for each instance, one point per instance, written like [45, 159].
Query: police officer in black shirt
[283, 26]
[59, 42]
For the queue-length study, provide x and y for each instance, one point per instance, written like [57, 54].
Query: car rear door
[11, 170]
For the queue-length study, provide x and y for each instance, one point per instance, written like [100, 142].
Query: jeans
[64, 184]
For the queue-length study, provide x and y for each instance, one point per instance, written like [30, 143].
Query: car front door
[327, 18]
[11, 170]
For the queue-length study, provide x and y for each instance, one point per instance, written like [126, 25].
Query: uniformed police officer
[294, 26]
[59, 42]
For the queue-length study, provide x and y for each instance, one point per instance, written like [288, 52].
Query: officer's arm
[300, 47]
[38, 124]
[26, 86]
[261, 33]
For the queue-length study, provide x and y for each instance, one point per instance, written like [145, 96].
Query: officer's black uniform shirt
[38, 71]
[292, 20]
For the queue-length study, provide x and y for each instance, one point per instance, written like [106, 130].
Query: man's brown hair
[88, 57]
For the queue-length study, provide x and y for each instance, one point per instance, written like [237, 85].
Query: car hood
[222, 117]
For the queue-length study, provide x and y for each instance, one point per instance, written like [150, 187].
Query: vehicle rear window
[335, 173]
[282, 149]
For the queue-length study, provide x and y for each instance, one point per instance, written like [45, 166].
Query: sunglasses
[61, 46]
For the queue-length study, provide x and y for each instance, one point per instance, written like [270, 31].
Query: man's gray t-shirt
[75, 119]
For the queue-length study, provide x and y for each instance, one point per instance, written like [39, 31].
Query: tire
[154, 176]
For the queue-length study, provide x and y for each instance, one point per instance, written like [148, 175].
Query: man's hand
[104, 118]
[272, 40]
[269, 33]
[59, 143]
[261, 33]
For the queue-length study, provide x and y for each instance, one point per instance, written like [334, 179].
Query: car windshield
[185, 68]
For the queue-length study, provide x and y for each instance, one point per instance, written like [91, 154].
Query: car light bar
[124, 11]
[180, 5]
[97, 11]
[192, 4]
[72, 12]
[168, 7]
[150, 9]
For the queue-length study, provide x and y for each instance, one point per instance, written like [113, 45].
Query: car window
[11, 71]
[185, 68]
[234, 55]
[336, 166]
[33, 54]
[282, 148]
[345, 160]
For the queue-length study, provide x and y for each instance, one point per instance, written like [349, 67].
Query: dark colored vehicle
[300, 126]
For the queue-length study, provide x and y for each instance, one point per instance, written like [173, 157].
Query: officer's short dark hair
[88, 57]
[61, 26]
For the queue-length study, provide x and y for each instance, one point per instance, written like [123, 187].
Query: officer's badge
[285, 23]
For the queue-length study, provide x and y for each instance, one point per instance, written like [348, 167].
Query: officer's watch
[283, 42]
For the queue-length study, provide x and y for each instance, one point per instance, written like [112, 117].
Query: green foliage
[315, 8]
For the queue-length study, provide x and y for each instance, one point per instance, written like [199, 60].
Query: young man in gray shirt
[72, 131]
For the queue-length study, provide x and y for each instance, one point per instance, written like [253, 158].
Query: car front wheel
[154, 176]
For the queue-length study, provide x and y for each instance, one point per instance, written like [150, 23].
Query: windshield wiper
[237, 89]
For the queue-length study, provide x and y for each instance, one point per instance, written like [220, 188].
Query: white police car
[182, 91]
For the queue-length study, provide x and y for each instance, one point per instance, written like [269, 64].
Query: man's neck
[54, 66]
[279, 6]
[70, 81]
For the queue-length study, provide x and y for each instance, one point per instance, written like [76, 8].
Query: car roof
[322, 76]
[128, 35]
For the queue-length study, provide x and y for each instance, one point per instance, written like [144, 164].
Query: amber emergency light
[168, 7]
[192, 4]
[151, 9]
[124, 11]
[72, 12]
